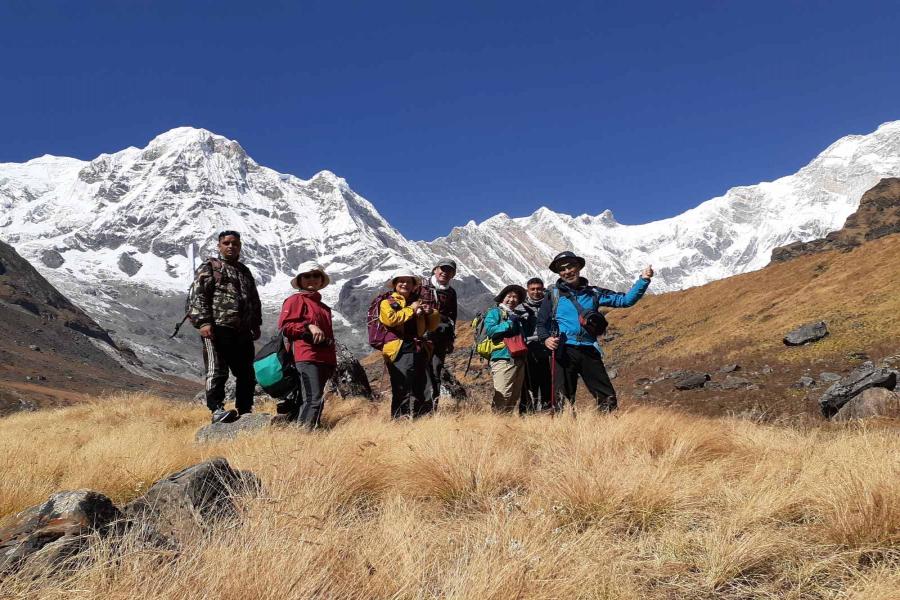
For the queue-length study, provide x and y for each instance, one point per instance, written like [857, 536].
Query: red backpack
[379, 334]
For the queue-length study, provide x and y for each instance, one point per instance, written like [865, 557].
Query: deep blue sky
[441, 112]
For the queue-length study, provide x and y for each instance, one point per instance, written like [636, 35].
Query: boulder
[865, 376]
[228, 431]
[187, 503]
[43, 536]
[730, 368]
[873, 402]
[805, 334]
[450, 386]
[829, 377]
[734, 383]
[350, 377]
[692, 381]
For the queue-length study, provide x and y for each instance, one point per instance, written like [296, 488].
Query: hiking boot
[220, 415]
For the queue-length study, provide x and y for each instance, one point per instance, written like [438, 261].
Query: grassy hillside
[644, 504]
[747, 315]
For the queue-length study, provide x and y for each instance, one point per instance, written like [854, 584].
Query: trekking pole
[553, 383]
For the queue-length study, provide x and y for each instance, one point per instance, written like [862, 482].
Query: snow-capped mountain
[112, 233]
[724, 236]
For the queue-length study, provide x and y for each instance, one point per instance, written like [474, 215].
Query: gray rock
[730, 368]
[734, 383]
[860, 379]
[873, 402]
[129, 265]
[350, 377]
[613, 373]
[34, 347]
[806, 381]
[228, 431]
[829, 377]
[639, 393]
[692, 381]
[805, 334]
[767, 370]
[44, 536]
[52, 259]
[188, 502]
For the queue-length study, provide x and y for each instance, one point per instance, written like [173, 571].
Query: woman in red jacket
[306, 321]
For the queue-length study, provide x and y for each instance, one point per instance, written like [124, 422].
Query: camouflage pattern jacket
[224, 294]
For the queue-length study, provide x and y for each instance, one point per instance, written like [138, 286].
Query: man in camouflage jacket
[225, 307]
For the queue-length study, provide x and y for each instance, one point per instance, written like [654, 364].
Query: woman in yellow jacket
[407, 356]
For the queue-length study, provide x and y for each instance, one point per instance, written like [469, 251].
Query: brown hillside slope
[743, 319]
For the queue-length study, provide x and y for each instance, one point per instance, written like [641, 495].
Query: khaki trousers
[509, 375]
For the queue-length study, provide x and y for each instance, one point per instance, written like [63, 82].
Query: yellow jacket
[396, 319]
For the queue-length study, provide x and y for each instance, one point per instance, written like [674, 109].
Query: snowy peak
[723, 236]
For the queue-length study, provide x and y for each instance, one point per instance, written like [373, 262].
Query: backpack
[379, 334]
[274, 367]
[484, 345]
[216, 266]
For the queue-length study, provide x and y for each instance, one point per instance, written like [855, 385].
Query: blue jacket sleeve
[494, 327]
[629, 298]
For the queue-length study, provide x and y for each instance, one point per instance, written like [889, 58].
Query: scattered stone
[28, 378]
[829, 377]
[692, 381]
[806, 381]
[639, 393]
[858, 356]
[805, 334]
[34, 347]
[613, 373]
[228, 431]
[873, 402]
[450, 386]
[734, 383]
[860, 379]
[730, 368]
[188, 502]
[767, 370]
[643, 381]
[44, 536]
[350, 377]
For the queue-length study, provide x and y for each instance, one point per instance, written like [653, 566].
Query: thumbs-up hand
[647, 273]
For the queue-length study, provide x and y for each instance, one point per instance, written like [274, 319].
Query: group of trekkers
[538, 340]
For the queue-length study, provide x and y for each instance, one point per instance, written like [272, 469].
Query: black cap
[566, 256]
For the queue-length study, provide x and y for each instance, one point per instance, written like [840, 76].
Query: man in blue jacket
[570, 326]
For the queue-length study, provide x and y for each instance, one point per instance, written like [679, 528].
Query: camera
[593, 322]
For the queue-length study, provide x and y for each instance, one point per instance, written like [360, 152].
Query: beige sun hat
[309, 266]
[403, 273]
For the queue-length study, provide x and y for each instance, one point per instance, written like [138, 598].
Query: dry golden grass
[643, 504]
[855, 292]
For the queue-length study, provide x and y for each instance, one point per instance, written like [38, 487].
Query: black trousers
[536, 391]
[408, 381]
[572, 361]
[230, 349]
[434, 371]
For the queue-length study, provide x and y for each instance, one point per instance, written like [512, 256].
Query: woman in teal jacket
[508, 372]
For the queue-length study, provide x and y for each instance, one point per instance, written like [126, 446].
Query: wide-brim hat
[310, 266]
[511, 288]
[566, 256]
[403, 273]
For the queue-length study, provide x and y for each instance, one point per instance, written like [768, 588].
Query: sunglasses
[313, 275]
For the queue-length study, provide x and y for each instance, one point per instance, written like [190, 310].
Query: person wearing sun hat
[444, 337]
[406, 356]
[306, 322]
[508, 372]
[570, 325]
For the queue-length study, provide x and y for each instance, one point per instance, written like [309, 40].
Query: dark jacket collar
[565, 287]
